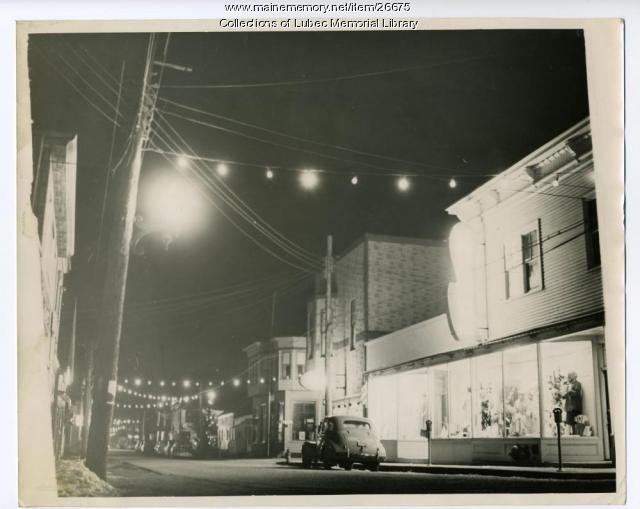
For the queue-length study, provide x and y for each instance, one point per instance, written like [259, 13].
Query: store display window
[568, 384]
[412, 404]
[440, 401]
[521, 396]
[487, 388]
[383, 405]
[460, 399]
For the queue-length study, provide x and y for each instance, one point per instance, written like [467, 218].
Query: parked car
[343, 441]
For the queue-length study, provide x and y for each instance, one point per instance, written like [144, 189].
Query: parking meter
[557, 417]
[428, 426]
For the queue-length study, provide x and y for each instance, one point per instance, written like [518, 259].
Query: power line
[202, 180]
[73, 85]
[331, 79]
[248, 214]
[298, 138]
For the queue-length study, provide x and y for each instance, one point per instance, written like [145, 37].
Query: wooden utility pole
[328, 274]
[107, 350]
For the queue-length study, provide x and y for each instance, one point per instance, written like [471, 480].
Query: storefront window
[412, 404]
[567, 383]
[460, 399]
[521, 400]
[383, 405]
[440, 401]
[304, 421]
[487, 397]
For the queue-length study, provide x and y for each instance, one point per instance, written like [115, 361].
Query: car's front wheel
[347, 465]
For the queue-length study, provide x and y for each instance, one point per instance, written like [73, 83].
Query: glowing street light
[309, 179]
[236, 382]
[403, 184]
[453, 184]
[269, 174]
[354, 180]
[137, 382]
[182, 162]
[186, 383]
[161, 383]
[222, 170]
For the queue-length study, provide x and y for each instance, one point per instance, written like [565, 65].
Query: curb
[584, 475]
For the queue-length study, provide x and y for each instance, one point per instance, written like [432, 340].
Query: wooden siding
[570, 290]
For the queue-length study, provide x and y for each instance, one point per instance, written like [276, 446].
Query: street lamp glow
[173, 384]
[161, 383]
[403, 184]
[211, 395]
[354, 180]
[222, 170]
[453, 183]
[186, 383]
[138, 382]
[172, 205]
[182, 162]
[269, 174]
[308, 179]
[262, 380]
[148, 382]
[236, 382]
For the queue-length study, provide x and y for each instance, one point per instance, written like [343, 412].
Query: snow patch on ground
[76, 480]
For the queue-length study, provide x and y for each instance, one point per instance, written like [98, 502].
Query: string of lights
[222, 186]
[202, 177]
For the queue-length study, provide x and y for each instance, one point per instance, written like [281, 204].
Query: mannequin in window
[573, 400]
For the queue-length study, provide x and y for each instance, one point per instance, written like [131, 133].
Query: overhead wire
[76, 88]
[202, 180]
[301, 139]
[247, 213]
[334, 78]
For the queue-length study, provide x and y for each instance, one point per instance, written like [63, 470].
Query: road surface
[137, 475]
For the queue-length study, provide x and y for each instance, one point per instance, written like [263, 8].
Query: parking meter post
[428, 429]
[557, 417]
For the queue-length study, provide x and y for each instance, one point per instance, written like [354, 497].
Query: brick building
[381, 284]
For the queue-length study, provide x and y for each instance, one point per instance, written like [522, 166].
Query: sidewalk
[571, 471]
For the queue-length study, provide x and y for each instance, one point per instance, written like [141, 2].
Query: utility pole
[108, 339]
[328, 273]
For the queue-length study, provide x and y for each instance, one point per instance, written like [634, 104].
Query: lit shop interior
[497, 406]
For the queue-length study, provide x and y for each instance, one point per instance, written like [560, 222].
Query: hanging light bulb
[161, 383]
[403, 184]
[453, 183]
[308, 179]
[138, 382]
[182, 162]
[269, 173]
[236, 382]
[354, 180]
[222, 169]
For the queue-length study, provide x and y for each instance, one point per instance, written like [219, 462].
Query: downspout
[484, 267]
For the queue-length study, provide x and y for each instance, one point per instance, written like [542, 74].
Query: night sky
[457, 104]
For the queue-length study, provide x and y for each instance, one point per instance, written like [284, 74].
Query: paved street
[136, 475]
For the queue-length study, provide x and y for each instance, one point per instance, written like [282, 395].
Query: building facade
[285, 413]
[53, 201]
[381, 284]
[524, 332]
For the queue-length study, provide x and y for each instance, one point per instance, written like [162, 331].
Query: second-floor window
[286, 366]
[300, 361]
[591, 232]
[523, 262]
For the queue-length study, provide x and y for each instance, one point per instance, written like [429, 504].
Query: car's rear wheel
[347, 465]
